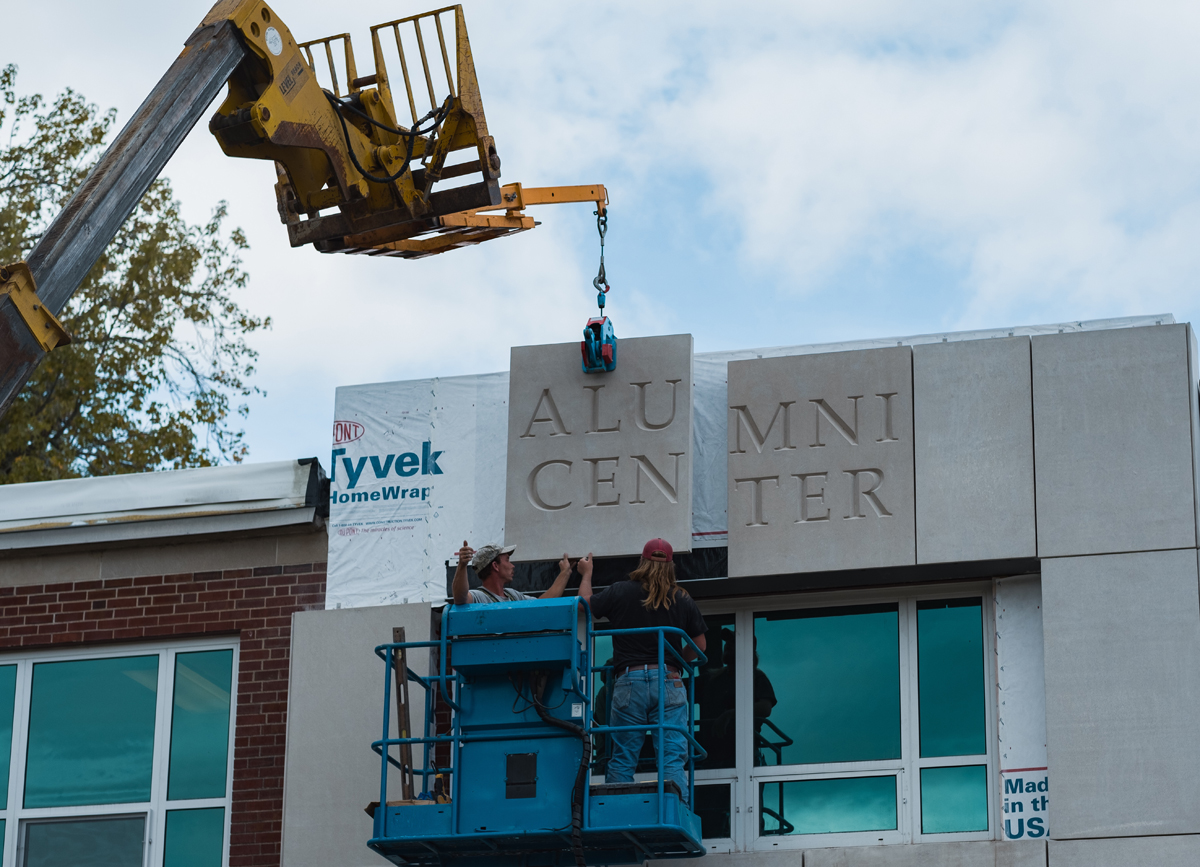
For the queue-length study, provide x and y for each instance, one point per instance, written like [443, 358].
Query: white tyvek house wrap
[1021, 708]
[394, 550]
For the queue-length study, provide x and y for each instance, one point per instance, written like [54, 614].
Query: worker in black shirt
[649, 598]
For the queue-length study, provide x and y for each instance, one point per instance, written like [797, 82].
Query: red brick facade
[256, 604]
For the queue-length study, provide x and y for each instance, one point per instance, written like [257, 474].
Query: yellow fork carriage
[352, 175]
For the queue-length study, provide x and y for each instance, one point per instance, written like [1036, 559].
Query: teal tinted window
[602, 654]
[8, 695]
[200, 725]
[950, 676]
[835, 673]
[954, 799]
[194, 838]
[107, 842]
[716, 688]
[91, 732]
[828, 806]
[601, 698]
[712, 806]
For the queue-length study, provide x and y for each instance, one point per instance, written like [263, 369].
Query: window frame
[17, 817]
[745, 779]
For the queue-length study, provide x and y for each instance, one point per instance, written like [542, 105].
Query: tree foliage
[159, 359]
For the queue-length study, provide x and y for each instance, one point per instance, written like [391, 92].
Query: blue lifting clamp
[599, 344]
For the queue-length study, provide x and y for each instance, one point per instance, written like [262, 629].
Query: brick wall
[256, 603]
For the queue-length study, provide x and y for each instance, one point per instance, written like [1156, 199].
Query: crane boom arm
[78, 235]
[351, 176]
[344, 153]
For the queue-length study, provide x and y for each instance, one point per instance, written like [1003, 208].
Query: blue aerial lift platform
[518, 677]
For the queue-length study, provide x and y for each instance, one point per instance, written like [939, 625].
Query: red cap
[658, 549]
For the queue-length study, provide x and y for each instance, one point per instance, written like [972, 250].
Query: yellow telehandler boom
[352, 176]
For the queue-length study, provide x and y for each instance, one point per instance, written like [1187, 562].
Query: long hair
[658, 577]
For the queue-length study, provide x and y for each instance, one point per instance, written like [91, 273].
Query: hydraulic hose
[581, 778]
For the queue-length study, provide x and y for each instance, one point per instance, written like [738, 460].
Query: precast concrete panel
[973, 450]
[1122, 651]
[599, 462]
[1127, 852]
[1194, 406]
[335, 712]
[821, 462]
[984, 854]
[1112, 441]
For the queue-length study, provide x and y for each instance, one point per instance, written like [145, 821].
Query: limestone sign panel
[599, 462]
[821, 462]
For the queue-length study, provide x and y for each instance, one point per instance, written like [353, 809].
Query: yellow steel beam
[514, 197]
[16, 281]
[511, 222]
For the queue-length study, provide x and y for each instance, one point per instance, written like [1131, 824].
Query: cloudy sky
[779, 172]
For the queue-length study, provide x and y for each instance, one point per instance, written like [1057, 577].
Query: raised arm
[461, 588]
[585, 574]
[560, 583]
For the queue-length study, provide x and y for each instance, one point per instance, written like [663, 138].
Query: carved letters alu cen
[821, 462]
[599, 462]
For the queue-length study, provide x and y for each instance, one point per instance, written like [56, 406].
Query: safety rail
[662, 728]
[351, 70]
[437, 95]
[445, 683]
[762, 742]
[453, 81]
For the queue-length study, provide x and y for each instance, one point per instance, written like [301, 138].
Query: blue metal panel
[419, 821]
[483, 805]
[631, 811]
[542, 615]
[489, 703]
[523, 653]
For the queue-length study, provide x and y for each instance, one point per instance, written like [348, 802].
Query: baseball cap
[485, 555]
[658, 549]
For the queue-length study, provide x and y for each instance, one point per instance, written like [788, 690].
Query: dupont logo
[346, 432]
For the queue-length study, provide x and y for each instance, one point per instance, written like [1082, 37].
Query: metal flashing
[147, 530]
[202, 501]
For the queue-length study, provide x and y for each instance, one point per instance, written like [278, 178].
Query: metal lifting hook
[599, 344]
[601, 279]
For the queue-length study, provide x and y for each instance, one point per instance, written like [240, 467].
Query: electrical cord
[581, 778]
[579, 792]
[518, 683]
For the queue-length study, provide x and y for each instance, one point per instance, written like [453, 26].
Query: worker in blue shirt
[650, 597]
[495, 571]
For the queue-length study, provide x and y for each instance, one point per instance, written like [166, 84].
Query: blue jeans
[635, 702]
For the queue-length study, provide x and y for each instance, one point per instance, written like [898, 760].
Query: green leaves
[160, 358]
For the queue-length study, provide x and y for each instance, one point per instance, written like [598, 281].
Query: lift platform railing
[762, 742]
[695, 751]
[446, 682]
